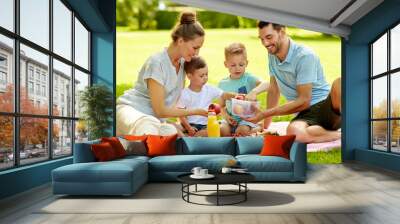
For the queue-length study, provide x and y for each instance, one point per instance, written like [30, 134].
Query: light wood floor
[354, 182]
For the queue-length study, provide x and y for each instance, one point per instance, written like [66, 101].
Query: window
[30, 73]
[30, 87]
[3, 72]
[6, 73]
[385, 96]
[34, 22]
[44, 91]
[7, 14]
[81, 45]
[54, 126]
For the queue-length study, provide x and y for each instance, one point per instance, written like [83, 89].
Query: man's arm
[301, 103]
[260, 87]
[272, 99]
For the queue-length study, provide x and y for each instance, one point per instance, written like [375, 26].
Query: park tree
[141, 12]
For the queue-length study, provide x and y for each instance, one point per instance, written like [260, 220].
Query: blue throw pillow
[205, 145]
[249, 145]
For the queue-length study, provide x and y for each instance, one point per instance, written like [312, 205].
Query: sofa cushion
[112, 171]
[197, 146]
[161, 145]
[103, 152]
[249, 145]
[257, 163]
[277, 145]
[185, 163]
[116, 145]
[136, 147]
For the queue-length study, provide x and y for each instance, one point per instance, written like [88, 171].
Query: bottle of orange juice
[213, 129]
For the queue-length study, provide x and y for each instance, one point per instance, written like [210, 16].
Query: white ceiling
[327, 16]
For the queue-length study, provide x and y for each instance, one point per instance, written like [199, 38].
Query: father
[296, 72]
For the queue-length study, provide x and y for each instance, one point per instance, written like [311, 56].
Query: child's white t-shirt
[192, 100]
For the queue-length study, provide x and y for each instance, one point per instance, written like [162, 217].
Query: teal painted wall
[356, 96]
[103, 64]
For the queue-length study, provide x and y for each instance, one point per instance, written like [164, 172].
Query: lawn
[133, 48]
[330, 157]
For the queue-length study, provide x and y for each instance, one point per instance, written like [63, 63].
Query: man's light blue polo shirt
[301, 66]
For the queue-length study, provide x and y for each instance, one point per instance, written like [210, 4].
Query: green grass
[134, 47]
[321, 157]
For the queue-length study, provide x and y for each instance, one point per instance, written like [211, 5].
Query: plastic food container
[244, 108]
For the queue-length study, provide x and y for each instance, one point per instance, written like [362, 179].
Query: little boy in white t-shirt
[198, 95]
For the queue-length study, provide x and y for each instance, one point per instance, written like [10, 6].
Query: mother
[143, 109]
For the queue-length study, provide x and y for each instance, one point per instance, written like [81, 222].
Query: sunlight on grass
[333, 156]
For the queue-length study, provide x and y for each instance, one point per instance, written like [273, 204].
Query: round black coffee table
[238, 179]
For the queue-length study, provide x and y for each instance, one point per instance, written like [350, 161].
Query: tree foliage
[33, 130]
[140, 12]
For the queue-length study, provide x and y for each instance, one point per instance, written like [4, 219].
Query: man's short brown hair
[235, 49]
[197, 62]
[262, 24]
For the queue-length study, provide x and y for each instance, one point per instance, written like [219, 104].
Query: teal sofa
[125, 176]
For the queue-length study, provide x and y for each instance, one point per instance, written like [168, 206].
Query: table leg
[245, 193]
[196, 188]
[217, 194]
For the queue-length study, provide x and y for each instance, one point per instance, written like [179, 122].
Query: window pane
[379, 55]
[35, 21]
[62, 89]
[379, 97]
[81, 45]
[6, 74]
[62, 29]
[379, 135]
[395, 47]
[395, 138]
[6, 142]
[81, 81]
[81, 131]
[395, 94]
[33, 140]
[7, 14]
[34, 78]
[62, 138]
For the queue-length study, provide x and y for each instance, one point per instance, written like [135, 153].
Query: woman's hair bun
[188, 18]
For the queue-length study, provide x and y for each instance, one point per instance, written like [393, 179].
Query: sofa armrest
[83, 152]
[298, 155]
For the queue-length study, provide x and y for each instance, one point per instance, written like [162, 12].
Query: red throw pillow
[277, 145]
[103, 151]
[116, 145]
[161, 145]
[136, 137]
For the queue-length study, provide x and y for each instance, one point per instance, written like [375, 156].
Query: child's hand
[251, 96]
[192, 131]
[230, 120]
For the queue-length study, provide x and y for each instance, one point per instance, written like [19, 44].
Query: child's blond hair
[235, 49]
